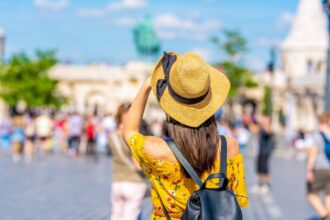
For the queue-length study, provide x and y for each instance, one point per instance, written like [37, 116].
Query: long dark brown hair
[198, 145]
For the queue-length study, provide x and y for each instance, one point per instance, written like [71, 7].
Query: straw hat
[187, 88]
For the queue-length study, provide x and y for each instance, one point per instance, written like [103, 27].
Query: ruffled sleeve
[236, 177]
[149, 165]
[136, 144]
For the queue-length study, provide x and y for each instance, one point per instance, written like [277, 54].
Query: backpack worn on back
[208, 203]
[326, 145]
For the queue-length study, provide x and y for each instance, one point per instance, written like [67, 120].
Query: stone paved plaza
[62, 188]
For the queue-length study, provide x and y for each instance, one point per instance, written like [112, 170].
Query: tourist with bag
[318, 168]
[195, 173]
[128, 187]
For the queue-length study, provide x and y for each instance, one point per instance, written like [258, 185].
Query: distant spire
[272, 61]
[2, 44]
[2, 32]
[309, 28]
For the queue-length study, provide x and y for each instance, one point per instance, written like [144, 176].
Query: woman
[266, 147]
[128, 187]
[30, 134]
[91, 137]
[190, 92]
[17, 137]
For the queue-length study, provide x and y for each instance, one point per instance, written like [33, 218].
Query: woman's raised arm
[135, 113]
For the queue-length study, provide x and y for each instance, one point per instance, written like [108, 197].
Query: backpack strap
[325, 139]
[163, 206]
[223, 155]
[183, 161]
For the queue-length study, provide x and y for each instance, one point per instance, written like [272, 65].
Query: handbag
[208, 203]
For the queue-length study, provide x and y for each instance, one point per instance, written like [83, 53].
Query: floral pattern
[172, 185]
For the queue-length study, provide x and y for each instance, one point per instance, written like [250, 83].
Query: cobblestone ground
[62, 188]
[55, 188]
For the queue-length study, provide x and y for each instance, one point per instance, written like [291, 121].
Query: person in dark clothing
[91, 137]
[266, 147]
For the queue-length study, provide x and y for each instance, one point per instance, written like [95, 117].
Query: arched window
[310, 68]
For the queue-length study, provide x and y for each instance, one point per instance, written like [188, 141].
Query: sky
[86, 31]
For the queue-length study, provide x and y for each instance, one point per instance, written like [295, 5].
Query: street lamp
[326, 6]
[2, 45]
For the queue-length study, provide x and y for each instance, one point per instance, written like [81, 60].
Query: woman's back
[168, 178]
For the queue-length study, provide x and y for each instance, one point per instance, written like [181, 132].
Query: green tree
[234, 46]
[25, 79]
[267, 106]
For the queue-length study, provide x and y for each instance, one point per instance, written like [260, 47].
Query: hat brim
[193, 115]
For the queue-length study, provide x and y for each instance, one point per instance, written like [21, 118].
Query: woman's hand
[147, 82]
[310, 176]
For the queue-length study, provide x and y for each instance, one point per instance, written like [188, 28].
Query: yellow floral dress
[172, 185]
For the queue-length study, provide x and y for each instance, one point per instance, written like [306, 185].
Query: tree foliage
[26, 79]
[267, 106]
[234, 46]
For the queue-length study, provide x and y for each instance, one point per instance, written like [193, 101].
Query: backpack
[208, 203]
[326, 145]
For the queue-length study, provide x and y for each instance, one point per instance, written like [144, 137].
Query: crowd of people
[27, 136]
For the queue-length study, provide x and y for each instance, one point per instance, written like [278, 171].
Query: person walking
[75, 129]
[108, 125]
[5, 131]
[17, 138]
[30, 133]
[44, 131]
[318, 168]
[189, 91]
[91, 137]
[266, 147]
[128, 187]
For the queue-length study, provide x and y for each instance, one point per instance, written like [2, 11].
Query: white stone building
[299, 84]
[99, 88]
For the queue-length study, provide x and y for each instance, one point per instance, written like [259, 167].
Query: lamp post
[326, 6]
[2, 45]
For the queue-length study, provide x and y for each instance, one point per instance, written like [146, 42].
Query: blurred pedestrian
[30, 133]
[243, 137]
[75, 130]
[318, 169]
[44, 131]
[91, 136]
[128, 188]
[5, 131]
[223, 127]
[108, 125]
[266, 147]
[60, 133]
[17, 138]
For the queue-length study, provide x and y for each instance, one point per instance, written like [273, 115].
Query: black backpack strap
[163, 206]
[223, 156]
[183, 161]
[325, 139]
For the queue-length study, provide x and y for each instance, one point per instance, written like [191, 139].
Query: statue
[145, 38]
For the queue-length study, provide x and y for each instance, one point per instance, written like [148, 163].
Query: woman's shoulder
[232, 146]
[158, 149]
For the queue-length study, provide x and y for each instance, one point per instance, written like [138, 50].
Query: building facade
[99, 89]
[298, 84]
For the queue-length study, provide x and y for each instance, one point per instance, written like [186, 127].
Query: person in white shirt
[318, 169]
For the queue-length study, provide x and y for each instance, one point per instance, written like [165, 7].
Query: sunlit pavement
[55, 188]
[64, 188]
